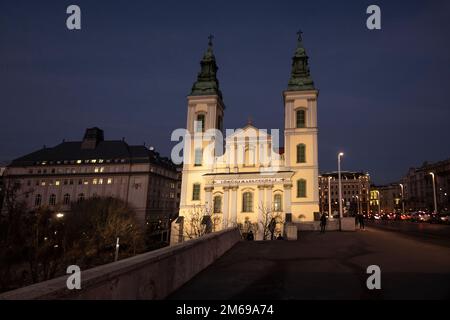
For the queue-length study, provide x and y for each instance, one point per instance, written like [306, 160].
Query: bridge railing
[152, 275]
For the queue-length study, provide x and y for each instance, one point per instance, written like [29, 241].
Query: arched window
[301, 153]
[200, 123]
[301, 188]
[247, 202]
[301, 118]
[66, 199]
[196, 192]
[80, 197]
[38, 200]
[217, 204]
[277, 203]
[52, 200]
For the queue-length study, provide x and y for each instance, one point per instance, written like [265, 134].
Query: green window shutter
[196, 192]
[301, 188]
[247, 202]
[301, 153]
[301, 118]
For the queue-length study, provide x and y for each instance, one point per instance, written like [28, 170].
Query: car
[444, 218]
[424, 217]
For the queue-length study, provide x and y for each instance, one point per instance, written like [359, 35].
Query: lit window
[247, 202]
[93, 161]
[100, 181]
[96, 170]
[196, 192]
[56, 183]
[78, 161]
[277, 202]
[109, 181]
[86, 182]
[100, 161]
[94, 181]
[102, 169]
[43, 183]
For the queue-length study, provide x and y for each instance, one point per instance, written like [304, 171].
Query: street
[432, 233]
[328, 266]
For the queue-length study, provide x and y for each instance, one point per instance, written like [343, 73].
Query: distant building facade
[355, 192]
[418, 185]
[386, 199]
[95, 167]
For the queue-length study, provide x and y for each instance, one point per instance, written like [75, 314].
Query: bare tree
[200, 221]
[14, 231]
[271, 221]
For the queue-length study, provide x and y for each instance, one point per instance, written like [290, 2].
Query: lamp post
[403, 200]
[340, 155]
[357, 204]
[434, 191]
[329, 197]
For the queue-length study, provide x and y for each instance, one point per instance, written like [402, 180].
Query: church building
[250, 177]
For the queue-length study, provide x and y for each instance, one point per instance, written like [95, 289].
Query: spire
[207, 83]
[300, 75]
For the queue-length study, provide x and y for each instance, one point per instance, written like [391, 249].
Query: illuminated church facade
[247, 177]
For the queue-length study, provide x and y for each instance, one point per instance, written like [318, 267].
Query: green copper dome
[207, 83]
[300, 75]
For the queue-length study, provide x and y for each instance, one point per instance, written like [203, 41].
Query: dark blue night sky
[384, 95]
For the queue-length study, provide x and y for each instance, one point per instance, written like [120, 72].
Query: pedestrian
[361, 222]
[323, 223]
[272, 226]
[280, 237]
[250, 236]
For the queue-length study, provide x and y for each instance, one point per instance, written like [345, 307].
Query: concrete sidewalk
[326, 266]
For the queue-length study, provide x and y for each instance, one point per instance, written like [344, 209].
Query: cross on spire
[210, 38]
[299, 34]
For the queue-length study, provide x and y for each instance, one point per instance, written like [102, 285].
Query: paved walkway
[326, 266]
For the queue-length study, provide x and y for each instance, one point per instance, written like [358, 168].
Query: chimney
[92, 137]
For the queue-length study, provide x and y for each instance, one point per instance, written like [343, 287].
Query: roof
[107, 151]
[345, 174]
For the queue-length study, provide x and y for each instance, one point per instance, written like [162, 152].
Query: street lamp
[60, 215]
[329, 197]
[357, 203]
[403, 200]
[434, 191]
[340, 155]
